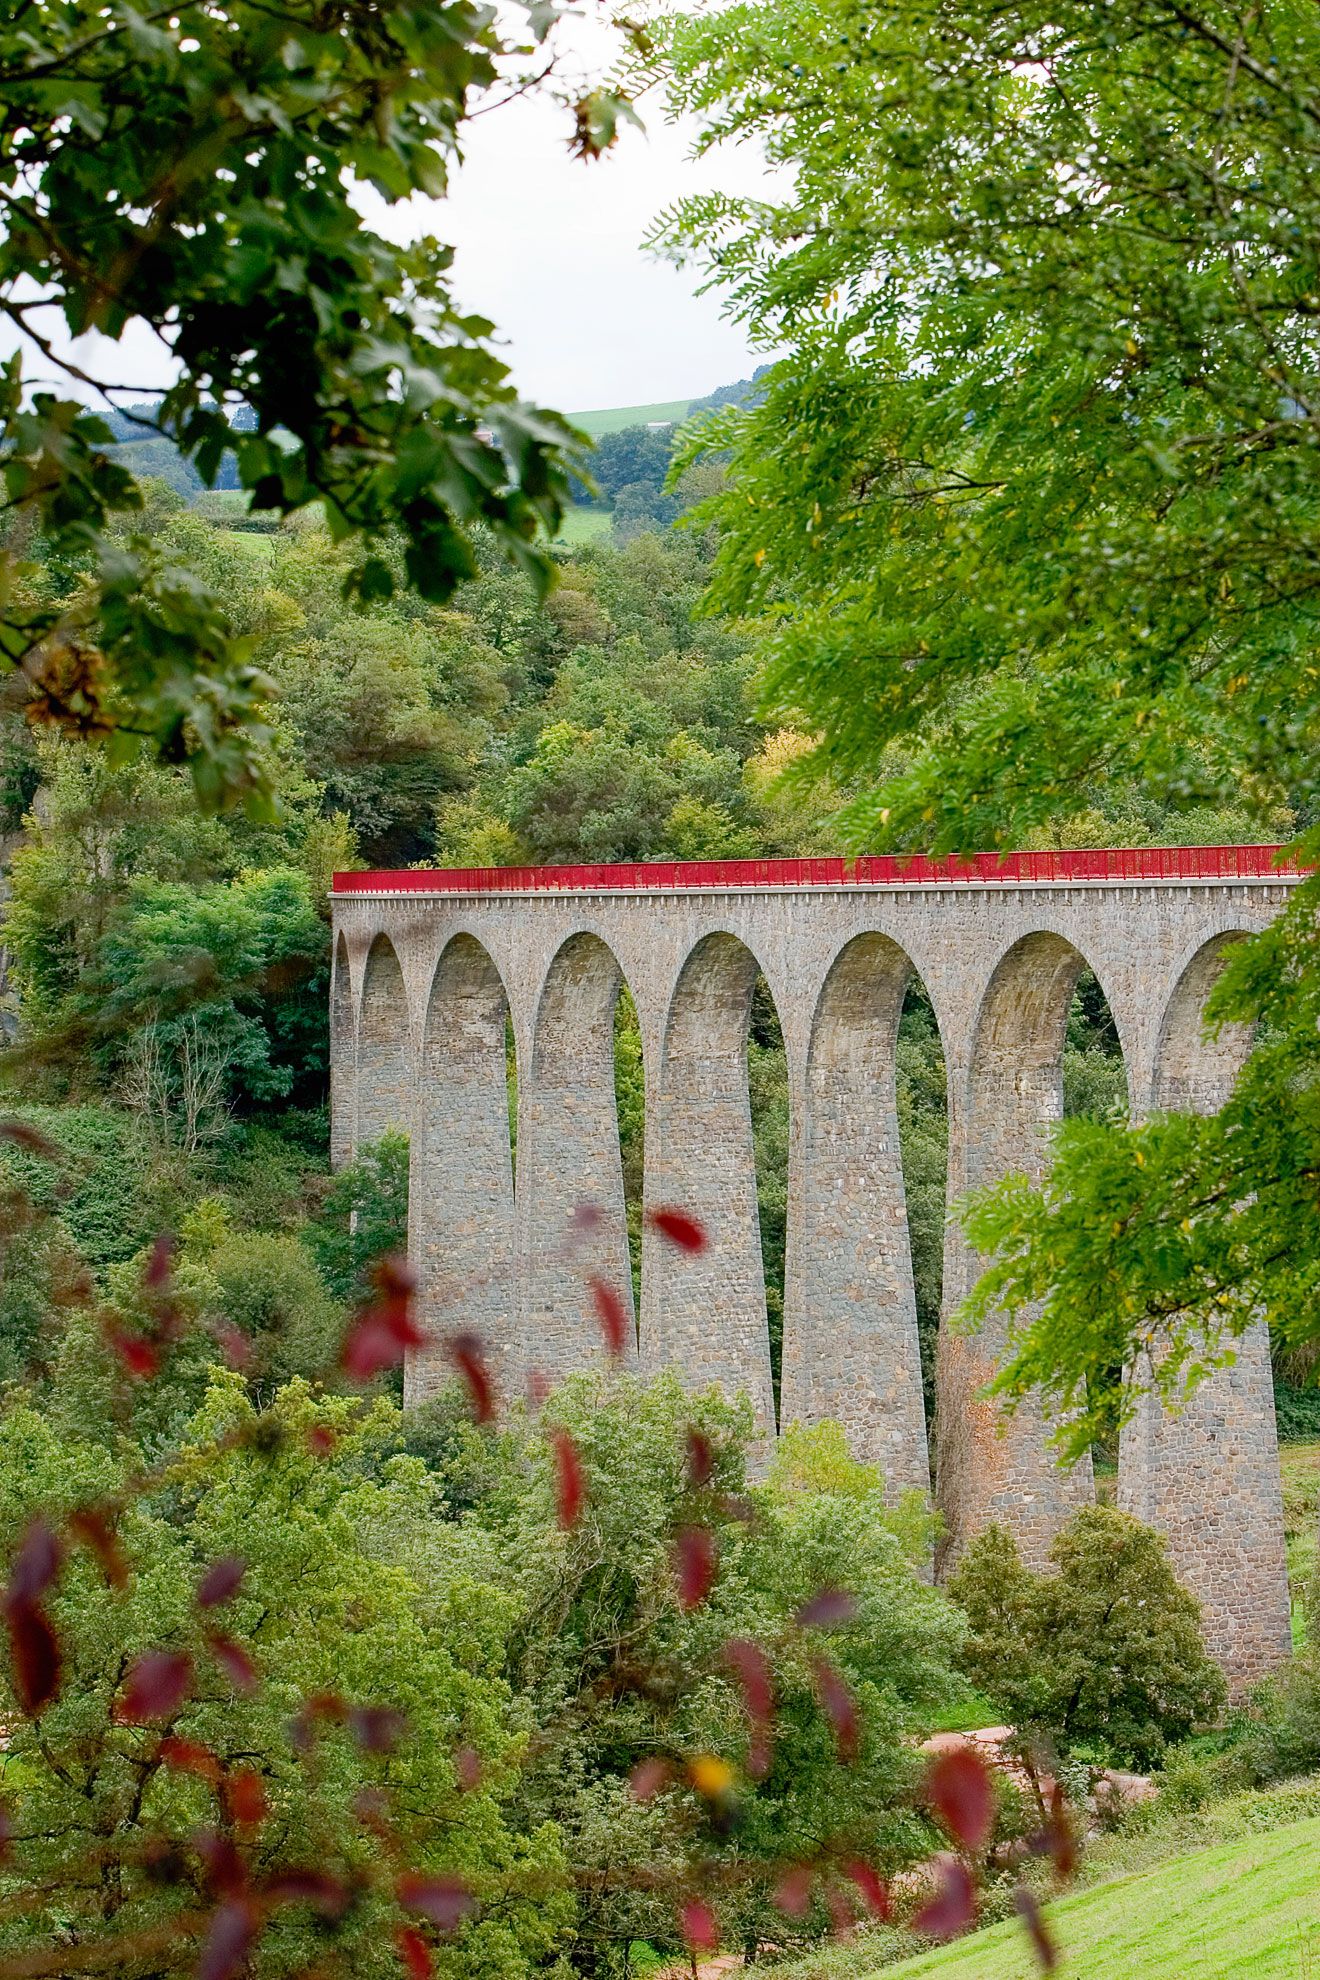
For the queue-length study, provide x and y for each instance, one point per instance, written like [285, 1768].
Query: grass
[1149, 1902]
[583, 526]
[967, 1714]
[1246, 1910]
[614, 418]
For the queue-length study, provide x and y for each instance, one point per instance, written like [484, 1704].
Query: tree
[348, 1591]
[363, 1216]
[625, 1662]
[1102, 1654]
[1026, 510]
[199, 174]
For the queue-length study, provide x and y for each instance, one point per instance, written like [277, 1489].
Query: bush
[269, 1288]
[1103, 1653]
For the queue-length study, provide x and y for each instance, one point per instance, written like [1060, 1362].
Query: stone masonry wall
[422, 987]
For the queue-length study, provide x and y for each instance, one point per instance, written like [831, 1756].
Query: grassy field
[613, 419]
[1247, 1910]
[583, 526]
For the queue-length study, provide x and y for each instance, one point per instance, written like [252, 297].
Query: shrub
[1104, 1652]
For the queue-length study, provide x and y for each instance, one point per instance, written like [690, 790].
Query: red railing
[877, 870]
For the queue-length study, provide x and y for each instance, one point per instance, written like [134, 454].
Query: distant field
[583, 526]
[615, 418]
[1246, 1910]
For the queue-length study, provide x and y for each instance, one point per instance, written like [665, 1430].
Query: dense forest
[168, 972]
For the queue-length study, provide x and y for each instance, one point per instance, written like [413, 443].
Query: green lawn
[613, 419]
[1246, 1910]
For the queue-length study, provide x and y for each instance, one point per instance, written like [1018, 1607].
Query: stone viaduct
[431, 968]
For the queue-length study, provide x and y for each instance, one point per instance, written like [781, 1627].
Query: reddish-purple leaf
[842, 1920]
[874, 1889]
[220, 1582]
[586, 1218]
[36, 1652]
[414, 1952]
[225, 1869]
[229, 1938]
[376, 1728]
[700, 1929]
[649, 1776]
[96, 1532]
[752, 1668]
[839, 1707]
[158, 1682]
[958, 1789]
[678, 1227]
[793, 1891]
[234, 1661]
[371, 1805]
[36, 1563]
[700, 1458]
[446, 1901]
[468, 1357]
[189, 1756]
[140, 1356]
[1060, 1840]
[695, 1562]
[245, 1797]
[538, 1388]
[160, 1264]
[467, 1768]
[953, 1908]
[827, 1608]
[1029, 1912]
[374, 1342]
[30, 1140]
[321, 1440]
[393, 1277]
[570, 1485]
[611, 1313]
[315, 1887]
[233, 1343]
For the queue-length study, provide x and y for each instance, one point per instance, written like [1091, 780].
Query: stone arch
[992, 1465]
[384, 1071]
[705, 1314]
[572, 1224]
[1206, 1474]
[1194, 1071]
[343, 1058]
[851, 1350]
[462, 1173]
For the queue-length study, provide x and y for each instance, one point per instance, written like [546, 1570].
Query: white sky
[549, 248]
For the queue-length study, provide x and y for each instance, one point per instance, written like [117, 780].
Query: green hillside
[1245, 1910]
[615, 418]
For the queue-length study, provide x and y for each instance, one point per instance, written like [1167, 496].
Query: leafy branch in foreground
[1031, 496]
[268, 1704]
[199, 172]
[1153, 1245]
[1029, 507]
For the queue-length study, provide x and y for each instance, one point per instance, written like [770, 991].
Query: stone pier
[436, 974]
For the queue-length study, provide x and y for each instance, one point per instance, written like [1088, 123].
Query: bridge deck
[1148, 864]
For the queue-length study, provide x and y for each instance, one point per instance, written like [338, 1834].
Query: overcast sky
[549, 247]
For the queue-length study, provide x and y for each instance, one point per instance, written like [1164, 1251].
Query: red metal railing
[879, 870]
